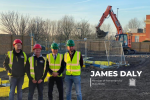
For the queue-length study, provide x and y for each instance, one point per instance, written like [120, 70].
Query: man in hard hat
[74, 62]
[36, 68]
[15, 66]
[56, 67]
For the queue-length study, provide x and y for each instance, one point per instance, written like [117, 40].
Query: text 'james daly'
[116, 73]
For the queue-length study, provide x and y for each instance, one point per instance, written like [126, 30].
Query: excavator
[120, 36]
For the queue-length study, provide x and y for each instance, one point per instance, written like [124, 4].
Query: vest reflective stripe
[31, 61]
[11, 56]
[44, 64]
[31, 68]
[55, 64]
[32, 73]
[77, 60]
[25, 58]
[72, 67]
[73, 70]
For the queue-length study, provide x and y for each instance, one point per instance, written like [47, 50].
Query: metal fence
[109, 52]
[95, 50]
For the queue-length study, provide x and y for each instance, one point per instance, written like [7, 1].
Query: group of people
[17, 64]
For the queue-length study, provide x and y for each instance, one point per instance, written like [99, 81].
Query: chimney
[147, 22]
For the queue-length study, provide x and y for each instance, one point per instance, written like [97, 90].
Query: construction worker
[56, 67]
[15, 66]
[74, 62]
[36, 68]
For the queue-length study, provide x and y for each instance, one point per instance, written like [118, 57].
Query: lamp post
[46, 45]
[117, 12]
[81, 31]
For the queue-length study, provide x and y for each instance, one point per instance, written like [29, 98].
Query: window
[136, 38]
[123, 39]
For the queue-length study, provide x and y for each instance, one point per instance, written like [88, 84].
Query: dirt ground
[113, 91]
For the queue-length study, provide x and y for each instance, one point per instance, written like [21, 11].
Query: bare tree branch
[14, 23]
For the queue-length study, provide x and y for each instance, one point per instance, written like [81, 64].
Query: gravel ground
[113, 91]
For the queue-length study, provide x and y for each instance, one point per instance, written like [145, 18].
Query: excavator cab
[123, 39]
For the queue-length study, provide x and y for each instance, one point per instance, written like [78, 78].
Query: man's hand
[55, 74]
[40, 81]
[34, 81]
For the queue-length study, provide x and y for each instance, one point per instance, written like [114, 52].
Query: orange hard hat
[17, 41]
[37, 46]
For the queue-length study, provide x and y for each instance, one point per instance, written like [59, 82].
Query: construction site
[100, 55]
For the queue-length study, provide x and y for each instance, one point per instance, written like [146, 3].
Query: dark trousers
[59, 83]
[32, 87]
[16, 82]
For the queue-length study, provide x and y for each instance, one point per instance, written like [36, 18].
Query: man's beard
[18, 49]
[71, 50]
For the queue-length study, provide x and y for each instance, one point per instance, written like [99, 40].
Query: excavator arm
[123, 38]
[110, 12]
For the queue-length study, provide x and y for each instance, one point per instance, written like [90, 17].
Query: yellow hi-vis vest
[55, 65]
[31, 61]
[72, 67]
[11, 56]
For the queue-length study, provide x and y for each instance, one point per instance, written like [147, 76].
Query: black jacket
[38, 68]
[18, 68]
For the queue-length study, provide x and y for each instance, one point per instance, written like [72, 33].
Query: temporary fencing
[106, 54]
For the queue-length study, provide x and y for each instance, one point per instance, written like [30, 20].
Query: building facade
[140, 37]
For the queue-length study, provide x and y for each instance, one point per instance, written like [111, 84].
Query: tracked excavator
[120, 36]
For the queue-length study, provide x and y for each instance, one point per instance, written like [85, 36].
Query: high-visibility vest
[11, 56]
[31, 61]
[72, 67]
[55, 65]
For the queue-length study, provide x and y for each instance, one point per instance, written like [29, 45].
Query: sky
[90, 10]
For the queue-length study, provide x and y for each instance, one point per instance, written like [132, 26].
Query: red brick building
[140, 37]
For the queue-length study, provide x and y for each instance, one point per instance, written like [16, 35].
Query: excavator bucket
[101, 33]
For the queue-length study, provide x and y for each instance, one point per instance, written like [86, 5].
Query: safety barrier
[106, 63]
[4, 91]
[2, 69]
[4, 82]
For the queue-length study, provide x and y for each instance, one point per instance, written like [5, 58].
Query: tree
[105, 27]
[14, 23]
[134, 23]
[82, 29]
[53, 29]
[67, 25]
[143, 22]
[40, 28]
[125, 29]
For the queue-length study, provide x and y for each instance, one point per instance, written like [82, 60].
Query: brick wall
[6, 43]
